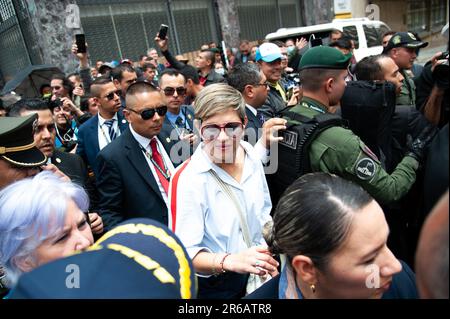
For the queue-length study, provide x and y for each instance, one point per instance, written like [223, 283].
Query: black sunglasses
[169, 91]
[110, 96]
[147, 114]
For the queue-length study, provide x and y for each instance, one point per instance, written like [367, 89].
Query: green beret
[324, 57]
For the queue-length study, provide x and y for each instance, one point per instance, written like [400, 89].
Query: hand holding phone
[80, 41]
[163, 31]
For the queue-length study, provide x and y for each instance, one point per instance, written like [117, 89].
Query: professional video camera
[441, 71]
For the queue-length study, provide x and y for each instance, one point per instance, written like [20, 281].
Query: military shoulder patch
[369, 152]
[365, 168]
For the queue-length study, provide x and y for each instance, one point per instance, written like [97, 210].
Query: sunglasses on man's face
[110, 96]
[169, 91]
[212, 131]
[56, 88]
[147, 114]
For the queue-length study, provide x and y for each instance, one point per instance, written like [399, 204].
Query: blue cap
[139, 258]
[268, 52]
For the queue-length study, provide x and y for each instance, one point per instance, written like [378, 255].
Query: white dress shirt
[145, 143]
[103, 131]
[206, 218]
[251, 108]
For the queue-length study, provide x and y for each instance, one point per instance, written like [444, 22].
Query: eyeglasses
[110, 96]
[212, 131]
[56, 88]
[266, 84]
[169, 91]
[147, 114]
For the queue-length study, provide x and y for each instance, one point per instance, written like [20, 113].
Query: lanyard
[164, 171]
[106, 136]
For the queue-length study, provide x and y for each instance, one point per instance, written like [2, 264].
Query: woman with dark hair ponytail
[331, 237]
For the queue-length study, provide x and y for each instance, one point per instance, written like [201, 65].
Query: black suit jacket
[126, 184]
[88, 146]
[74, 167]
[178, 150]
[253, 128]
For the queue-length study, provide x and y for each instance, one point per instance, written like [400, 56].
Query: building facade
[118, 29]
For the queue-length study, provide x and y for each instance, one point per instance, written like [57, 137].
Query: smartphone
[163, 31]
[80, 41]
[316, 42]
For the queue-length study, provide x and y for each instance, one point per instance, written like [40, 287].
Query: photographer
[432, 90]
[65, 124]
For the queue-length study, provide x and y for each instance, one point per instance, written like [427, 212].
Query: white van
[366, 33]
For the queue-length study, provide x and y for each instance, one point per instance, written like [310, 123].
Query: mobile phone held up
[163, 31]
[80, 41]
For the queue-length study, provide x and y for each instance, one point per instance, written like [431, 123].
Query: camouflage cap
[324, 57]
[405, 40]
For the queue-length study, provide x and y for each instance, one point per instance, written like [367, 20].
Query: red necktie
[157, 158]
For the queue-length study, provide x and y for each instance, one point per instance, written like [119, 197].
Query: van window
[373, 36]
[382, 30]
[352, 33]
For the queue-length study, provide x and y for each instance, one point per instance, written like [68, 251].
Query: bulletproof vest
[293, 150]
[368, 107]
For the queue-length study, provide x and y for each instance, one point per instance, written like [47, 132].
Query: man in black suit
[134, 170]
[70, 164]
[101, 129]
[251, 82]
[178, 127]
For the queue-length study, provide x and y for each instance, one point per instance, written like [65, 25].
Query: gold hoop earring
[313, 288]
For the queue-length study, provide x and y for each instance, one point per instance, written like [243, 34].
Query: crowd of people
[160, 169]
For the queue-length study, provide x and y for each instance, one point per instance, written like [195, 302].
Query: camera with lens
[441, 71]
[52, 104]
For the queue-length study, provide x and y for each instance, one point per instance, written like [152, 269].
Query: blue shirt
[173, 117]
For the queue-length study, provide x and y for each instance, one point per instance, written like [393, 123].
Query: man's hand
[162, 44]
[82, 57]
[66, 102]
[416, 148]
[435, 61]
[270, 131]
[55, 170]
[78, 91]
[301, 43]
[191, 138]
[297, 95]
[96, 223]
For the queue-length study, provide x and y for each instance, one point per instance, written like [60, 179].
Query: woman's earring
[313, 288]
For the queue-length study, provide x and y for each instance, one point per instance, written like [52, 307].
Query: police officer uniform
[339, 151]
[17, 147]
[406, 40]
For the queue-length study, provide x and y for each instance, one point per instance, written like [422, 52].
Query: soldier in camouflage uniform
[402, 48]
[337, 150]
